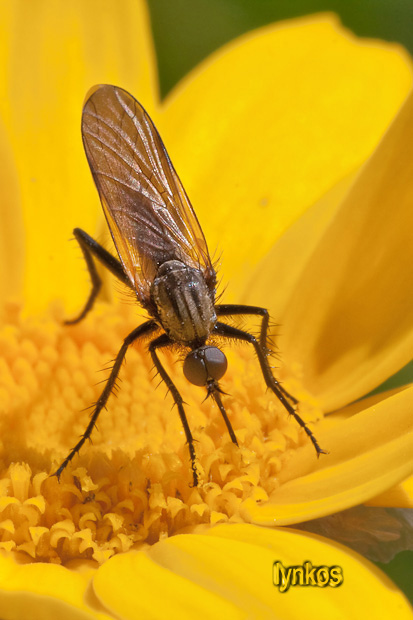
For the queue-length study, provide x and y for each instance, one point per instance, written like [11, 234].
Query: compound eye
[216, 362]
[204, 364]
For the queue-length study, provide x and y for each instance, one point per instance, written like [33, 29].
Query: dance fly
[163, 258]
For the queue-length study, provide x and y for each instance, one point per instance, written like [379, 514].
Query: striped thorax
[184, 303]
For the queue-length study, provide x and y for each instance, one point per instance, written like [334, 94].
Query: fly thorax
[184, 302]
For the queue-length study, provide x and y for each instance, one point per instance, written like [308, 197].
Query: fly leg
[158, 343]
[214, 391]
[228, 331]
[142, 330]
[91, 248]
[238, 309]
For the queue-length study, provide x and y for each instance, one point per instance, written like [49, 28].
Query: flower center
[133, 484]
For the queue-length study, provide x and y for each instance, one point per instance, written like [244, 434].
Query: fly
[163, 258]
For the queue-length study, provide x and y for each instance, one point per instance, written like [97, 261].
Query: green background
[187, 31]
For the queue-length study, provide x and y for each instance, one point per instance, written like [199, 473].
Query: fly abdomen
[184, 303]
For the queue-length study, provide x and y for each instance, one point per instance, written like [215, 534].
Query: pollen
[132, 484]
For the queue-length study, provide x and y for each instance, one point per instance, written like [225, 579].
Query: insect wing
[149, 214]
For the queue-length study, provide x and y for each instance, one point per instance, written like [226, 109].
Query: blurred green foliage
[186, 31]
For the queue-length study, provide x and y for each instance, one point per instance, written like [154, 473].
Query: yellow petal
[269, 123]
[399, 496]
[368, 453]
[133, 584]
[348, 324]
[230, 571]
[288, 258]
[12, 251]
[46, 591]
[54, 52]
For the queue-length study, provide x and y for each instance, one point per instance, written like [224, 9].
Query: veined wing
[148, 212]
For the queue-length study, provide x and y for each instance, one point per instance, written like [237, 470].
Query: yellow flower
[277, 139]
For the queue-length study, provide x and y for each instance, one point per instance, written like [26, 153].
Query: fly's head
[205, 365]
